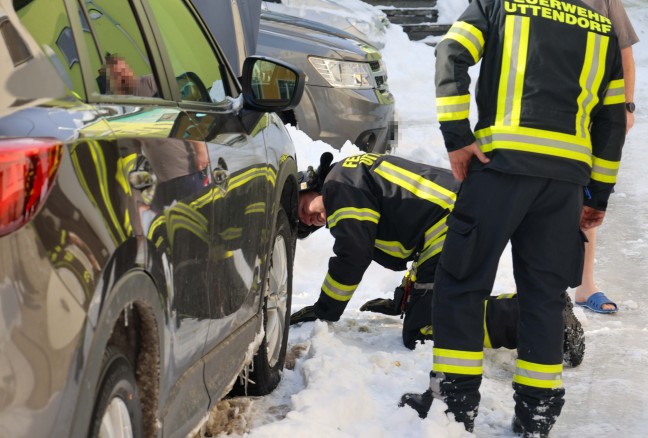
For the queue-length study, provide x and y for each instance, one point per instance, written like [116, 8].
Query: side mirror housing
[271, 85]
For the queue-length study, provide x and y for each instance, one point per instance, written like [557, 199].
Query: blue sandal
[596, 301]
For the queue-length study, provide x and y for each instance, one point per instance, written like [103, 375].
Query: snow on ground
[347, 377]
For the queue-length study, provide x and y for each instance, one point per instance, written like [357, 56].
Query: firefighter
[549, 133]
[392, 211]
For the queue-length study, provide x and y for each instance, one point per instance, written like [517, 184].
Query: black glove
[304, 315]
[385, 306]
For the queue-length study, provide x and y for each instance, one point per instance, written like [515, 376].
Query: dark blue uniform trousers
[540, 217]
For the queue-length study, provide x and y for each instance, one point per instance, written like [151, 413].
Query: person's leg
[547, 258]
[488, 209]
[501, 316]
[588, 285]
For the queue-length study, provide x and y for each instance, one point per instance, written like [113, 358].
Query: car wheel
[117, 411]
[269, 359]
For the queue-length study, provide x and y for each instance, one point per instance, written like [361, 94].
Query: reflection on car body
[140, 236]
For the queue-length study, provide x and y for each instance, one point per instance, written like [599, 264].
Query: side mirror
[271, 85]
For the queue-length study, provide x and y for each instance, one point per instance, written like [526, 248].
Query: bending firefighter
[392, 211]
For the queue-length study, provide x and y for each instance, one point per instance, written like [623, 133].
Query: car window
[48, 23]
[195, 65]
[123, 67]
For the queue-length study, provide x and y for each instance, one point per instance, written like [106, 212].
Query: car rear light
[28, 169]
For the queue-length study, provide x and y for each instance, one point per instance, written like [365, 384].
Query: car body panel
[136, 244]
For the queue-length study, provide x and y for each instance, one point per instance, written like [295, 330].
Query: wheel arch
[131, 319]
[286, 193]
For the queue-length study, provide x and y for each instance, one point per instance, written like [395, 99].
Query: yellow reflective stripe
[590, 81]
[159, 241]
[257, 207]
[468, 36]
[154, 225]
[211, 196]
[615, 92]
[393, 248]
[458, 354]
[458, 362]
[337, 290]
[124, 166]
[247, 176]
[417, 185]
[178, 223]
[231, 233]
[102, 175]
[509, 95]
[538, 367]
[434, 249]
[536, 141]
[182, 208]
[436, 230]
[453, 100]
[235, 182]
[536, 383]
[453, 107]
[538, 375]
[360, 214]
[505, 296]
[487, 341]
[127, 223]
[186, 219]
[226, 255]
[604, 170]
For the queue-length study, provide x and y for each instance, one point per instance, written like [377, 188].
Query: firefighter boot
[419, 402]
[536, 410]
[574, 340]
[462, 403]
[518, 429]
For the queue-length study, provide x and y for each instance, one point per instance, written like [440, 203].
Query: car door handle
[140, 179]
[220, 176]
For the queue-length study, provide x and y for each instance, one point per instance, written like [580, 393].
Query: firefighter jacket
[550, 94]
[382, 208]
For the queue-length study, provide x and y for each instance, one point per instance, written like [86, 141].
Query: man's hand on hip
[460, 160]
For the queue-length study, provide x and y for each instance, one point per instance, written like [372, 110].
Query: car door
[241, 179]
[167, 173]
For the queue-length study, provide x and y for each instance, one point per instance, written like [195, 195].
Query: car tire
[117, 410]
[268, 362]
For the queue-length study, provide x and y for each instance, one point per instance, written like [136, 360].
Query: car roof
[294, 28]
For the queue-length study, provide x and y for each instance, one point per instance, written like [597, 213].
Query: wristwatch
[630, 107]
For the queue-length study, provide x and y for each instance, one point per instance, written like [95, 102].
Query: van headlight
[344, 74]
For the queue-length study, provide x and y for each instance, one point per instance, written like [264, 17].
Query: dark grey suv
[147, 219]
[347, 96]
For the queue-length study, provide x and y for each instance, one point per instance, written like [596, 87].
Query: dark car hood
[321, 38]
[308, 24]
